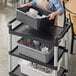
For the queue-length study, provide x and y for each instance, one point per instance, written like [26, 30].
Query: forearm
[28, 4]
[32, 3]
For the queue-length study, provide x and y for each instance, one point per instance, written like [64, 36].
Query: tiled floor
[6, 14]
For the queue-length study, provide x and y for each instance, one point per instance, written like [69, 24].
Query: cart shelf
[16, 72]
[50, 64]
[55, 31]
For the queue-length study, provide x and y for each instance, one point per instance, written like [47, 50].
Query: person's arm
[59, 9]
[54, 14]
[32, 3]
[27, 4]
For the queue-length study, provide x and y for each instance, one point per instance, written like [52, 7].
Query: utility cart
[36, 56]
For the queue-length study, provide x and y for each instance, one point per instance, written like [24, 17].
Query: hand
[51, 16]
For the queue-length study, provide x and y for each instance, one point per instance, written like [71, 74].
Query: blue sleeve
[57, 4]
[33, 2]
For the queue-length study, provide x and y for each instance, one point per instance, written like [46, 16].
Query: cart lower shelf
[50, 64]
[16, 72]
